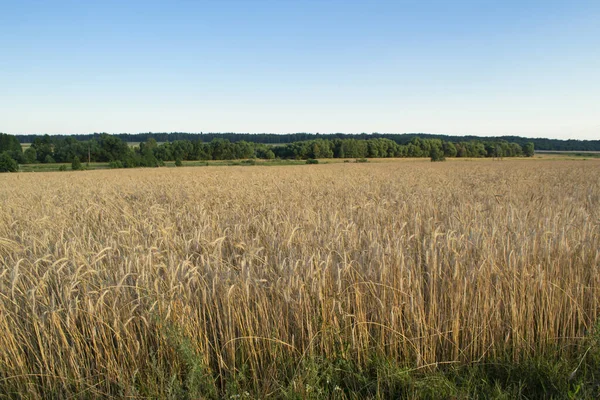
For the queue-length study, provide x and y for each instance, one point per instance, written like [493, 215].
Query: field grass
[412, 279]
[43, 167]
[55, 166]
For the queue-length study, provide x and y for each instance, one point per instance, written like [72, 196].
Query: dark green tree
[9, 143]
[76, 164]
[449, 149]
[30, 155]
[269, 155]
[113, 148]
[7, 164]
[437, 154]
[528, 150]
[243, 150]
[221, 149]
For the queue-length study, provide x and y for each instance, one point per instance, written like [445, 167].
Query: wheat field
[174, 282]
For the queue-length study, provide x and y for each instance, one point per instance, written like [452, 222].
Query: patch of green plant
[115, 164]
[544, 377]
[437, 155]
[76, 164]
[7, 164]
[195, 379]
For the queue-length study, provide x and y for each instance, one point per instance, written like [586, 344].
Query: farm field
[460, 279]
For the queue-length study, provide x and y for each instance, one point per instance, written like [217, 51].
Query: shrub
[76, 164]
[437, 155]
[312, 161]
[62, 168]
[7, 164]
[529, 150]
[178, 162]
[115, 164]
[361, 160]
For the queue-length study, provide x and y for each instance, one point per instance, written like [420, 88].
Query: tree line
[271, 138]
[115, 151]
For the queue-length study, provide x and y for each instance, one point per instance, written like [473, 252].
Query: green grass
[169, 164]
[341, 377]
[56, 167]
[567, 155]
[277, 162]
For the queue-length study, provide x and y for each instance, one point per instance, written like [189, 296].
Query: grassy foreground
[381, 280]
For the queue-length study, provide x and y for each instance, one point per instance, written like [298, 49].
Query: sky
[527, 68]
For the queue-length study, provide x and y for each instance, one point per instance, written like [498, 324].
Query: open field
[346, 280]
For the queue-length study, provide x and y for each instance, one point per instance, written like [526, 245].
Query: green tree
[43, 147]
[9, 143]
[269, 155]
[437, 154]
[145, 154]
[76, 164]
[7, 164]
[516, 150]
[112, 148]
[243, 149]
[528, 150]
[178, 162]
[449, 149]
[30, 155]
[221, 149]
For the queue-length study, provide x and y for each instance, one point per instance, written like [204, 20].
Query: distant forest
[151, 153]
[271, 138]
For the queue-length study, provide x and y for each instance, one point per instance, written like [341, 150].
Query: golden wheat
[263, 267]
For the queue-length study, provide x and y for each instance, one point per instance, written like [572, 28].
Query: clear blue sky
[529, 68]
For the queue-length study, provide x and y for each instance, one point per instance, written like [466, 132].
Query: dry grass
[119, 283]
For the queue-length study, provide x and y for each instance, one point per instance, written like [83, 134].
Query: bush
[76, 164]
[7, 164]
[437, 155]
[361, 160]
[115, 164]
[249, 162]
[528, 150]
[178, 162]
[312, 161]
[62, 168]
